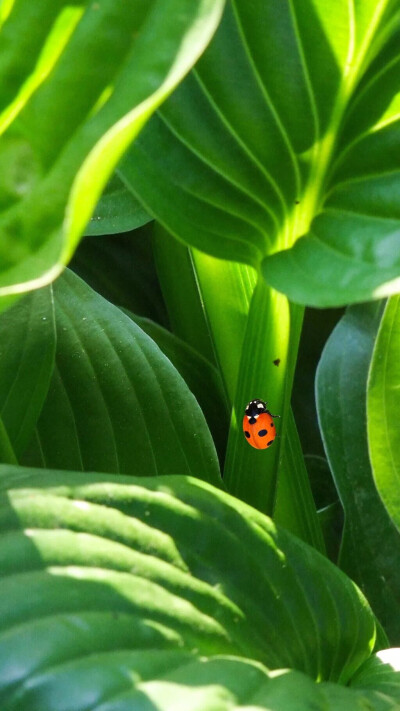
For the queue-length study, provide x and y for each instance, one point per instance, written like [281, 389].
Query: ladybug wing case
[262, 433]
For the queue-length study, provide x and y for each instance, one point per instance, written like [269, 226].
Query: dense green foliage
[150, 559]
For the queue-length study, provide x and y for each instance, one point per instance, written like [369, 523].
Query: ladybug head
[255, 408]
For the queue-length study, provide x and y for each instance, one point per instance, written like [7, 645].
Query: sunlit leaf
[383, 409]
[280, 149]
[126, 584]
[77, 83]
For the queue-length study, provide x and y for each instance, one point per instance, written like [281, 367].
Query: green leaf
[383, 407]
[280, 149]
[201, 377]
[27, 349]
[381, 672]
[124, 574]
[215, 301]
[294, 506]
[121, 268]
[117, 211]
[183, 297]
[115, 402]
[77, 83]
[370, 550]
[259, 377]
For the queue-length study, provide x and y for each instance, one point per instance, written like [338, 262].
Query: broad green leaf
[27, 349]
[77, 83]
[370, 551]
[280, 149]
[122, 570]
[383, 407]
[121, 268]
[117, 211]
[201, 377]
[381, 672]
[115, 402]
[223, 684]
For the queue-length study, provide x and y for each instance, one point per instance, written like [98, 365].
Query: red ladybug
[258, 425]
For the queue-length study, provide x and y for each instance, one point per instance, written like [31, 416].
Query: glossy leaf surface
[115, 402]
[370, 551]
[383, 410]
[77, 83]
[301, 175]
[126, 584]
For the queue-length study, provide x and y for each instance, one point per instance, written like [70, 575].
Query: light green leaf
[370, 551]
[280, 149]
[259, 377]
[115, 402]
[117, 211]
[183, 297]
[125, 577]
[215, 302]
[77, 83]
[27, 349]
[383, 407]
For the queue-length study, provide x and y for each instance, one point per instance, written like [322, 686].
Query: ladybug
[258, 424]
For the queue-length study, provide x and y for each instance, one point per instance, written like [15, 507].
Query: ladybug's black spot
[272, 424]
[269, 443]
[262, 433]
[247, 434]
[252, 421]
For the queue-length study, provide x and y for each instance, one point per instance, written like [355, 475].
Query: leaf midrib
[314, 193]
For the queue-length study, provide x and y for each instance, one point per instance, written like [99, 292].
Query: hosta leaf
[370, 551]
[381, 673]
[27, 349]
[202, 378]
[117, 211]
[126, 582]
[383, 409]
[77, 83]
[115, 402]
[281, 147]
